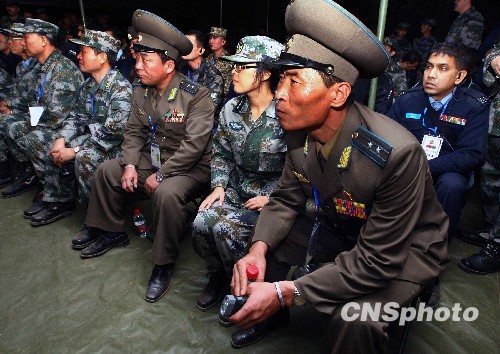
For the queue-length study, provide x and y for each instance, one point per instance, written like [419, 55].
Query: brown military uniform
[392, 244]
[183, 112]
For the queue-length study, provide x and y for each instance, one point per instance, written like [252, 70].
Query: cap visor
[238, 59]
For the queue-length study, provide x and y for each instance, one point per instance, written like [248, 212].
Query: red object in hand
[252, 272]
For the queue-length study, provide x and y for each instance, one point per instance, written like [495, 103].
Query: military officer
[487, 260]
[202, 72]
[165, 153]
[92, 132]
[467, 28]
[14, 107]
[248, 157]
[451, 122]
[57, 86]
[376, 213]
[217, 42]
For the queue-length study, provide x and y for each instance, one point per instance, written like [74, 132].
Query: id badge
[432, 146]
[93, 129]
[35, 114]
[155, 156]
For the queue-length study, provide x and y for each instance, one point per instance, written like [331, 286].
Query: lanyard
[435, 129]
[153, 127]
[92, 97]
[40, 89]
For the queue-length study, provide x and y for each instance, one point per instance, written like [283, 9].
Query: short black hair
[412, 57]
[462, 58]
[111, 56]
[201, 39]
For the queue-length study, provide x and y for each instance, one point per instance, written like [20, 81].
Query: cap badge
[239, 48]
[139, 38]
[288, 44]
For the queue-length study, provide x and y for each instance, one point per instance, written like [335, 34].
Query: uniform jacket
[6, 84]
[61, 81]
[184, 118]
[464, 146]
[25, 87]
[223, 66]
[98, 118]
[207, 75]
[404, 234]
[490, 80]
[248, 156]
[467, 29]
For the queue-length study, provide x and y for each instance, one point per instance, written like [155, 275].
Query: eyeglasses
[238, 67]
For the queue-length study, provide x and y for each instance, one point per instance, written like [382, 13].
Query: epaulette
[372, 146]
[477, 95]
[189, 86]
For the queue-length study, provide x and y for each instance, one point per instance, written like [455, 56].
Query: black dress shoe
[218, 285]
[52, 212]
[26, 181]
[159, 282]
[6, 180]
[244, 337]
[104, 243]
[37, 206]
[85, 237]
[475, 237]
[487, 260]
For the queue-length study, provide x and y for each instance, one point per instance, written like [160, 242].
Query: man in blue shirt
[451, 123]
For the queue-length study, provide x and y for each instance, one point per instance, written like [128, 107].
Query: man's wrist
[129, 165]
[259, 248]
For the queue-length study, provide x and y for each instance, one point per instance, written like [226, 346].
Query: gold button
[355, 135]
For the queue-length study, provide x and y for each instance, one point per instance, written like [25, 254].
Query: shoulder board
[372, 146]
[477, 95]
[189, 86]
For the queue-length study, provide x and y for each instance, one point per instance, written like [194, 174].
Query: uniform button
[355, 135]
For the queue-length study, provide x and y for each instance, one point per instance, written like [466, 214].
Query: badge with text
[432, 146]
[155, 156]
[350, 208]
[35, 114]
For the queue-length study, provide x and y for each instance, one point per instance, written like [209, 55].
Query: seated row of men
[376, 212]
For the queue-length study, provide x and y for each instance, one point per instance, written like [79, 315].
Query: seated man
[451, 123]
[92, 132]
[57, 85]
[377, 216]
[165, 153]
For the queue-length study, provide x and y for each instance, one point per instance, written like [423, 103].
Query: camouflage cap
[157, 35]
[403, 25]
[16, 30]
[218, 32]
[98, 40]
[253, 49]
[430, 21]
[34, 25]
[328, 38]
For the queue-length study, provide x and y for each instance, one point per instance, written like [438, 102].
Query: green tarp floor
[51, 301]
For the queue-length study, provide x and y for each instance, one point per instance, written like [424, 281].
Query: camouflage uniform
[402, 46]
[423, 46]
[248, 157]
[97, 130]
[6, 83]
[224, 68]
[207, 75]
[59, 81]
[398, 78]
[467, 29]
[490, 172]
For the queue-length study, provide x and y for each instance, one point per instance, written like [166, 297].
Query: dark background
[249, 17]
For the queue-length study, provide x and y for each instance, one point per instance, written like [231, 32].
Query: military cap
[34, 25]
[131, 33]
[16, 30]
[403, 25]
[98, 40]
[253, 49]
[41, 10]
[326, 37]
[430, 21]
[157, 35]
[218, 32]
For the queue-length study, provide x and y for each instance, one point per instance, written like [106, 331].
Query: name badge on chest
[432, 146]
[155, 156]
[35, 114]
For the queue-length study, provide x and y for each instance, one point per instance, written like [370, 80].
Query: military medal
[350, 208]
[453, 120]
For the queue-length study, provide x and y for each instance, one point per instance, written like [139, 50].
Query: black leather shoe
[475, 237]
[159, 282]
[37, 206]
[104, 243]
[26, 181]
[52, 212]
[487, 260]
[244, 337]
[86, 237]
[218, 285]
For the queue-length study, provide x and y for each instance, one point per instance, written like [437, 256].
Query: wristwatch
[159, 177]
[76, 149]
[297, 298]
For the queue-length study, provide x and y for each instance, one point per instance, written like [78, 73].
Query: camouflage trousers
[5, 121]
[86, 162]
[36, 145]
[15, 132]
[221, 234]
[490, 185]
